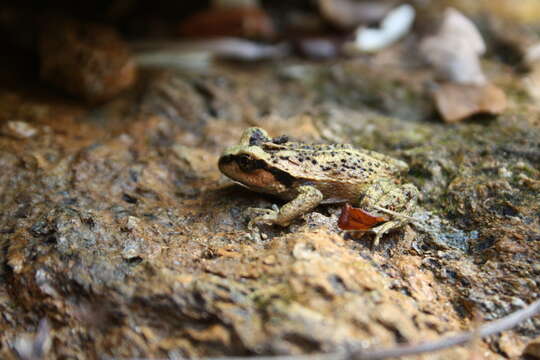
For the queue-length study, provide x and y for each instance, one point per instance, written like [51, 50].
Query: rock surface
[533, 349]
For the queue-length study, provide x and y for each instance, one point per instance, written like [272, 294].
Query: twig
[493, 327]
[396, 214]
[329, 356]
[171, 52]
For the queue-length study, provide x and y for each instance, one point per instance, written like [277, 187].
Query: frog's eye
[245, 163]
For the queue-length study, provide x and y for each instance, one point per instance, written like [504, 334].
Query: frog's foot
[262, 216]
[398, 202]
[308, 198]
[382, 229]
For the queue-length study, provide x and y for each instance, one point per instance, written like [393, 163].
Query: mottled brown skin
[308, 175]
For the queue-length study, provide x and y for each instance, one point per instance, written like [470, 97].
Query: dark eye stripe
[246, 163]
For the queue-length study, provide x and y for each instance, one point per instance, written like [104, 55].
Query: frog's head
[249, 161]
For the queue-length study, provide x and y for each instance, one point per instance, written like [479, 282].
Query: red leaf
[352, 218]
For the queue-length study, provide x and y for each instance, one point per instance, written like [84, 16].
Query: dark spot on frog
[256, 138]
[280, 140]
[314, 162]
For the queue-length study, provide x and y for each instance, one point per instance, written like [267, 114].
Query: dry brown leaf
[457, 102]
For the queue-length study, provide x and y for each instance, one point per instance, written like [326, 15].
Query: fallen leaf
[357, 219]
[456, 102]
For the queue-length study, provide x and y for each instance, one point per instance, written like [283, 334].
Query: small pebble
[394, 26]
[18, 129]
[455, 50]
[504, 173]
[132, 222]
[532, 350]
[89, 61]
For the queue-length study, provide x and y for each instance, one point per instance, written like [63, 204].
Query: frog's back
[337, 163]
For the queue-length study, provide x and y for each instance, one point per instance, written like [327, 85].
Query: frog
[307, 175]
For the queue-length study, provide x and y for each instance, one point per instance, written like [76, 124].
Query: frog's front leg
[308, 198]
[399, 200]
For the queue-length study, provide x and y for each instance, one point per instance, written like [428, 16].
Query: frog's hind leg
[399, 203]
[382, 229]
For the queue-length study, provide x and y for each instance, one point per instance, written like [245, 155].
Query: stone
[18, 129]
[533, 348]
[89, 61]
[454, 51]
